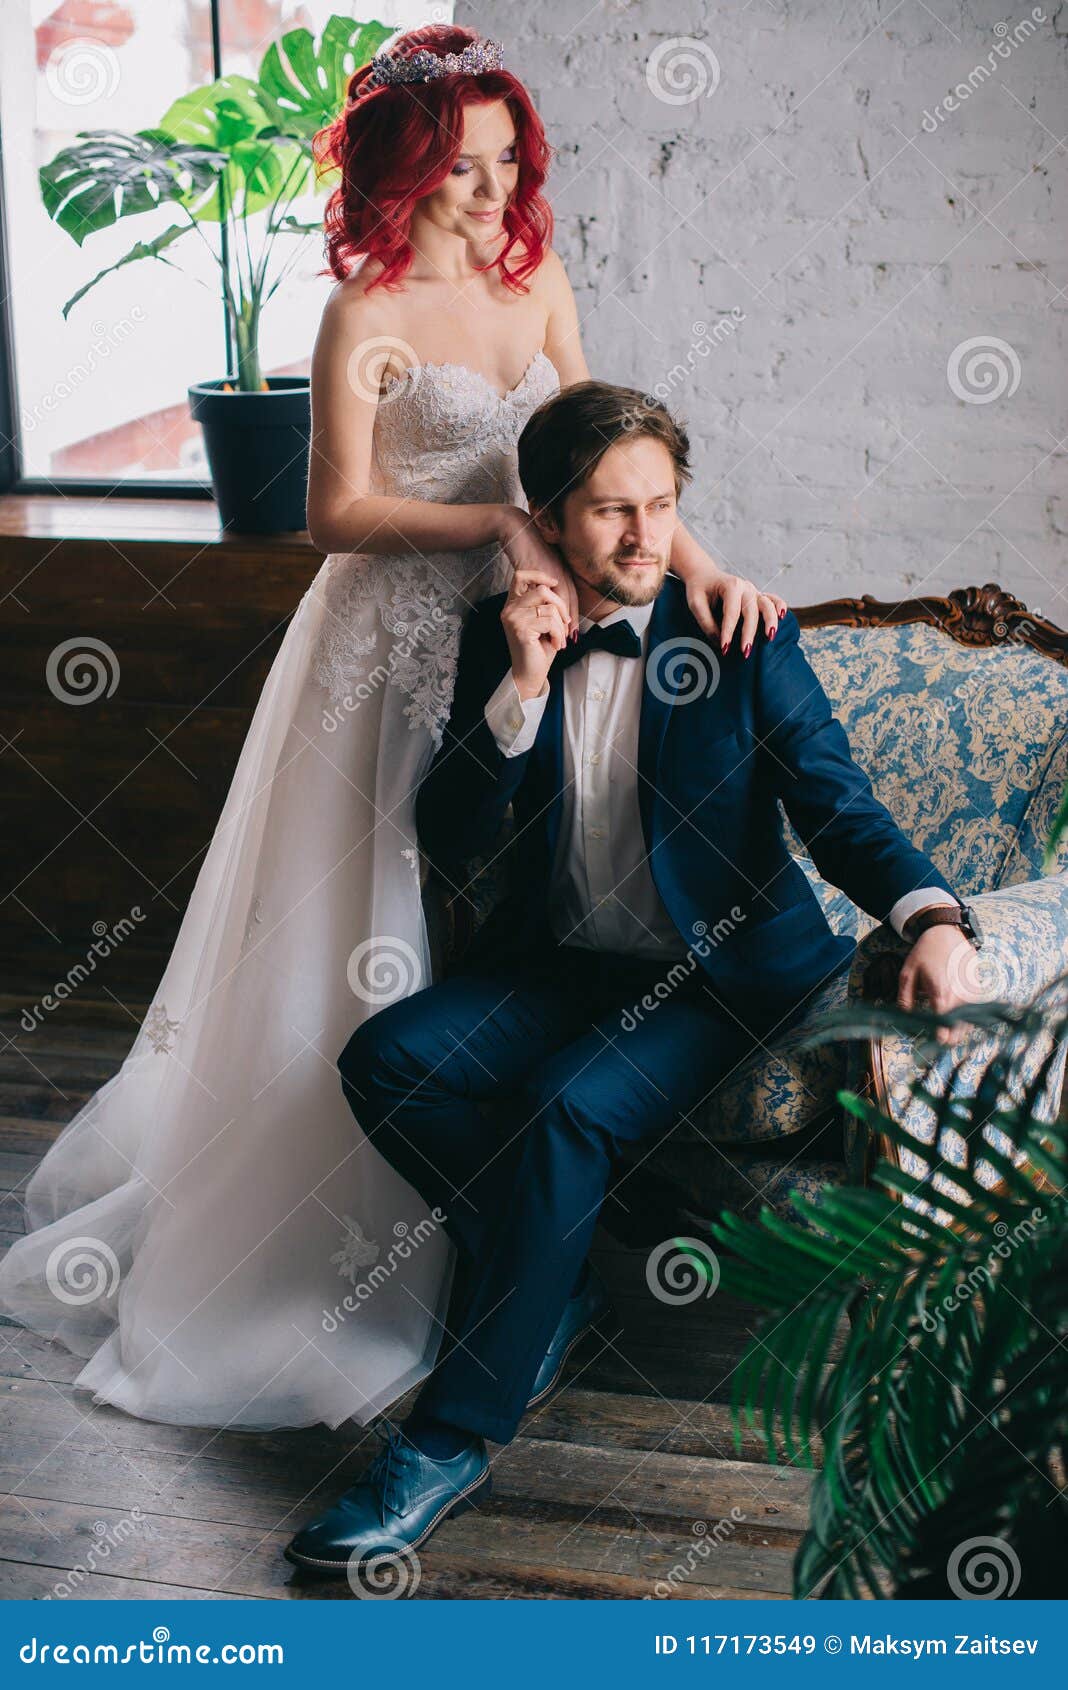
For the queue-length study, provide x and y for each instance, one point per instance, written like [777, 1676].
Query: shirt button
[596, 832]
[599, 694]
[516, 722]
[595, 757]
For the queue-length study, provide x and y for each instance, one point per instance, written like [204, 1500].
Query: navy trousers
[585, 1068]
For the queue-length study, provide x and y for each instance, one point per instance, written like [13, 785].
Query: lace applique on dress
[255, 915]
[442, 434]
[357, 1250]
[160, 1029]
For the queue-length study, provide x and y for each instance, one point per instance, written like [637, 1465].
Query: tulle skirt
[212, 1232]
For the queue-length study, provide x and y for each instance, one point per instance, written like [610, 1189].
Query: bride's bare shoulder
[352, 315]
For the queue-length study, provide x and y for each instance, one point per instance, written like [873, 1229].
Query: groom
[643, 768]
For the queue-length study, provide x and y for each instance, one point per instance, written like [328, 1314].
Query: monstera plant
[234, 155]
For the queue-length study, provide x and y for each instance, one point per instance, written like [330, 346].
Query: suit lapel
[552, 730]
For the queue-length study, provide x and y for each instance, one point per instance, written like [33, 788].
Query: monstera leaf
[112, 175]
[308, 82]
[235, 117]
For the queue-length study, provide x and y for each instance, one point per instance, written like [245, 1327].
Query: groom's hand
[939, 967]
[535, 620]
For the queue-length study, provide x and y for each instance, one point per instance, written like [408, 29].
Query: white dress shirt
[602, 895]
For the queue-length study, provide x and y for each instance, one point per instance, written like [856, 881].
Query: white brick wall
[857, 251]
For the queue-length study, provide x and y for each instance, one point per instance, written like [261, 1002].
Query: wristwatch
[951, 915]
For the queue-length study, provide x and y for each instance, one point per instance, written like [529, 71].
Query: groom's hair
[565, 439]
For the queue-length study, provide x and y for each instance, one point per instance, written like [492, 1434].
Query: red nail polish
[724, 649]
[772, 633]
[747, 650]
[782, 613]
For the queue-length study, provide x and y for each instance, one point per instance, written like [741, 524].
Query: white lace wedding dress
[196, 1228]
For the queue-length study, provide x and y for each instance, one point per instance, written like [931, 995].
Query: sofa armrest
[1025, 948]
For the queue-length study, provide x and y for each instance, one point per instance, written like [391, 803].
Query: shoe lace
[388, 1467]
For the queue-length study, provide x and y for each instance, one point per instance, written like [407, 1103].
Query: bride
[210, 1232]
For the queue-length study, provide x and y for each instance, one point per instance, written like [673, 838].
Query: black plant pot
[257, 446]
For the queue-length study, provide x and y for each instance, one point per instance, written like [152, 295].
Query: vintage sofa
[957, 708]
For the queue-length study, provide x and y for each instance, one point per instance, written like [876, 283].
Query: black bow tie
[619, 637]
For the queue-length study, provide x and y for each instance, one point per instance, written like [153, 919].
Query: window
[98, 400]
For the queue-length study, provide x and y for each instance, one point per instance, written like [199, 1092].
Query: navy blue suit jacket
[710, 771]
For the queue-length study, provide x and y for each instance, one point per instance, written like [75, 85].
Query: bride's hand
[736, 597]
[525, 548]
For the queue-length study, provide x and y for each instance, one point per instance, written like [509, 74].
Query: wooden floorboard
[628, 1484]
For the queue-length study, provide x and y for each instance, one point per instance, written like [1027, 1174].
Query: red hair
[396, 144]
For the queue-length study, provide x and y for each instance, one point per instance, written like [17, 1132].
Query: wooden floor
[628, 1477]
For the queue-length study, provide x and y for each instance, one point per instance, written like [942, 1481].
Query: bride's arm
[342, 515]
[708, 587]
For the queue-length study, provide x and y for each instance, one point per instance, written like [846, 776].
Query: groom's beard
[612, 580]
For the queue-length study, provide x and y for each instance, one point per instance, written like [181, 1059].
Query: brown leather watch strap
[935, 915]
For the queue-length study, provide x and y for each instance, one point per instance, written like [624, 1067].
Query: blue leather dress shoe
[402, 1498]
[590, 1308]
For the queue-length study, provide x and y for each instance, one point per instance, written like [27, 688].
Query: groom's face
[618, 525]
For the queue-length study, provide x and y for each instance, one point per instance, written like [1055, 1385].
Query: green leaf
[308, 82]
[112, 175]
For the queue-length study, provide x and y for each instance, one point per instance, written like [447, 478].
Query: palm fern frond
[942, 1412]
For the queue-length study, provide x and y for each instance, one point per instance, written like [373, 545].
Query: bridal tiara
[424, 65]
